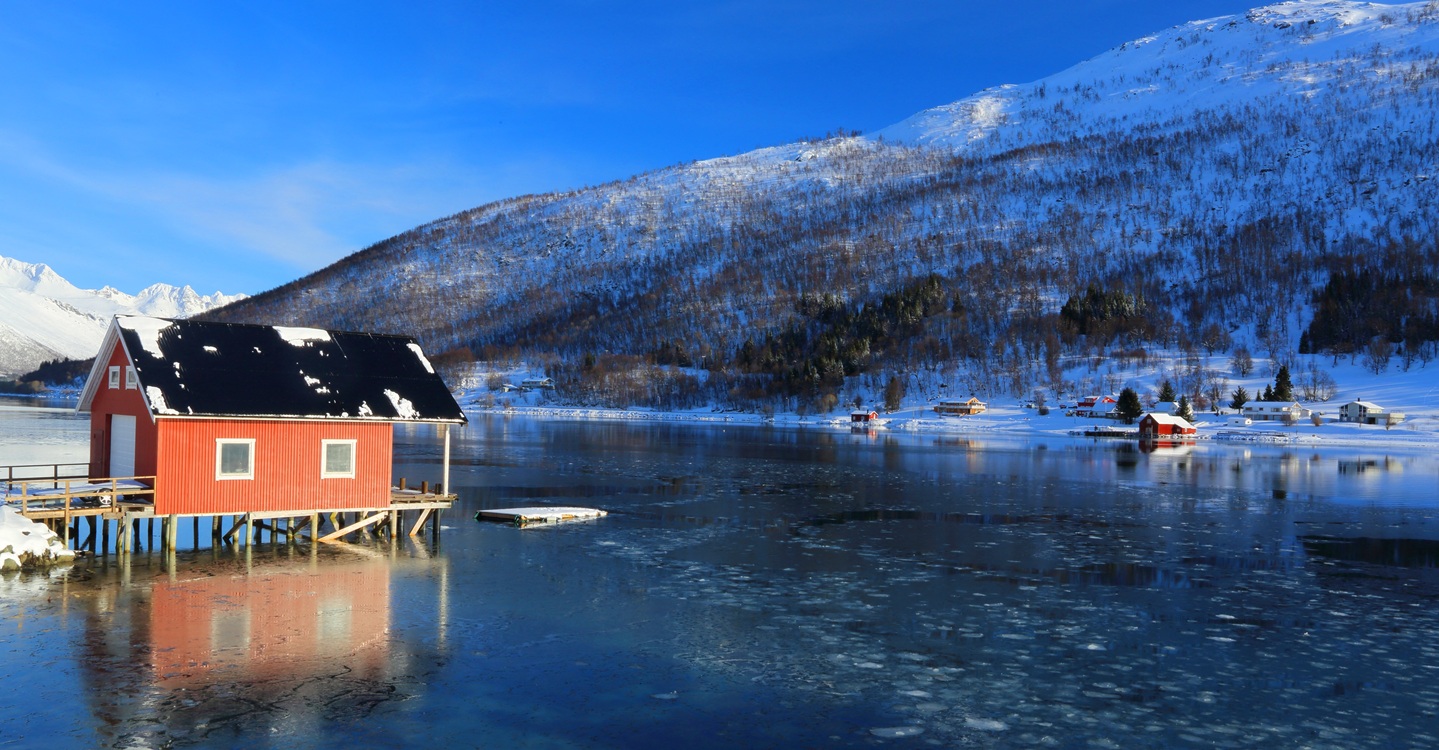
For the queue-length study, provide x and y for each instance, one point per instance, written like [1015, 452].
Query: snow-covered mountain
[1220, 171]
[43, 316]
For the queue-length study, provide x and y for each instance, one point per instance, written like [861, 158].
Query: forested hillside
[1197, 190]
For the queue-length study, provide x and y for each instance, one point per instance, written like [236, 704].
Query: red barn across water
[231, 419]
[1155, 424]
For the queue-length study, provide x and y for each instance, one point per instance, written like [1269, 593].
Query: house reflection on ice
[291, 644]
[271, 624]
[1362, 465]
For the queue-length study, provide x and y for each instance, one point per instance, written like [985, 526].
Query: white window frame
[324, 456]
[131, 381]
[220, 444]
[114, 377]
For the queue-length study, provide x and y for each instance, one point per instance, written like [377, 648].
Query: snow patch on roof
[403, 407]
[301, 336]
[148, 331]
[211, 349]
[365, 410]
[157, 401]
[420, 353]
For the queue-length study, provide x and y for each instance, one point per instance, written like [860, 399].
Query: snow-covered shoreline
[24, 543]
[1008, 422]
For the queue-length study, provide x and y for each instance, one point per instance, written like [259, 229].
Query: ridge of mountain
[45, 317]
[1222, 170]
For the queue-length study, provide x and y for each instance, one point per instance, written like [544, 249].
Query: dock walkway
[47, 494]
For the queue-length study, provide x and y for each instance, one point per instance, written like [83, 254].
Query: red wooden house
[230, 418]
[1157, 424]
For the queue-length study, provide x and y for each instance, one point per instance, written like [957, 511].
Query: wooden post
[216, 529]
[249, 531]
[445, 466]
[174, 535]
[394, 524]
[67, 512]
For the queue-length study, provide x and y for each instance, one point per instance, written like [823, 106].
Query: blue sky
[239, 146]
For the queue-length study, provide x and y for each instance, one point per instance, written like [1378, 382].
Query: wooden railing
[52, 470]
[71, 489]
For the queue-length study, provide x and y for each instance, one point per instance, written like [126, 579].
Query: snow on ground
[23, 541]
[1414, 392]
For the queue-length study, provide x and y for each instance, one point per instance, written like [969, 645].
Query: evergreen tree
[1166, 391]
[1283, 389]
[1241, 397]
[1268, 393]
[1186, 411]
[1129, 407]
[894, 393]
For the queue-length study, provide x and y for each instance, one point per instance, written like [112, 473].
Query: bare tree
[1377, 354]
[1217, 386]
[1316, 384]
[1242, 362]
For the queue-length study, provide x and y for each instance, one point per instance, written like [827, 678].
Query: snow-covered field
[1414, 392]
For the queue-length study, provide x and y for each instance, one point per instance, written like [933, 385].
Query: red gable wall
[120, 400]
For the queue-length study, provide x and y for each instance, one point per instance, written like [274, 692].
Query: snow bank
[25, 542]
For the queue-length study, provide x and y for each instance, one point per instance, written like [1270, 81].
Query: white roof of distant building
[1170, 419]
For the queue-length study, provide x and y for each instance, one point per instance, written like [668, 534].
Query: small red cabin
[1156, 424]
[230, 418]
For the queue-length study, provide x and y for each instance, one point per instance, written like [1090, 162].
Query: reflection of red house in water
[227, 418]
[283, 624]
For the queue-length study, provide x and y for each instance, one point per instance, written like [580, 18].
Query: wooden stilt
[420, 523]
[249, 531]
[362, 523]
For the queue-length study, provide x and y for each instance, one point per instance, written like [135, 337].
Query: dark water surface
[758, 587]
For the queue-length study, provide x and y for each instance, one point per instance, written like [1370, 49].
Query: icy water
[759, 587]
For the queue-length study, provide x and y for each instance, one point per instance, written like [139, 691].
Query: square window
[235, 458]
[114, 377]
[337, 459]
[131, 382]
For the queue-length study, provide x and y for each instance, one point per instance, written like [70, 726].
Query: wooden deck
[46, 494]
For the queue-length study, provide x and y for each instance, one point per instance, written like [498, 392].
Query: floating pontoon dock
[539, 515]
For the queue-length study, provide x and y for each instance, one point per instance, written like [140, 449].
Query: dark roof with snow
[195, 368]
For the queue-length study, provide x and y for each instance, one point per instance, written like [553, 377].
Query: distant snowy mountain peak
[43, 316]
